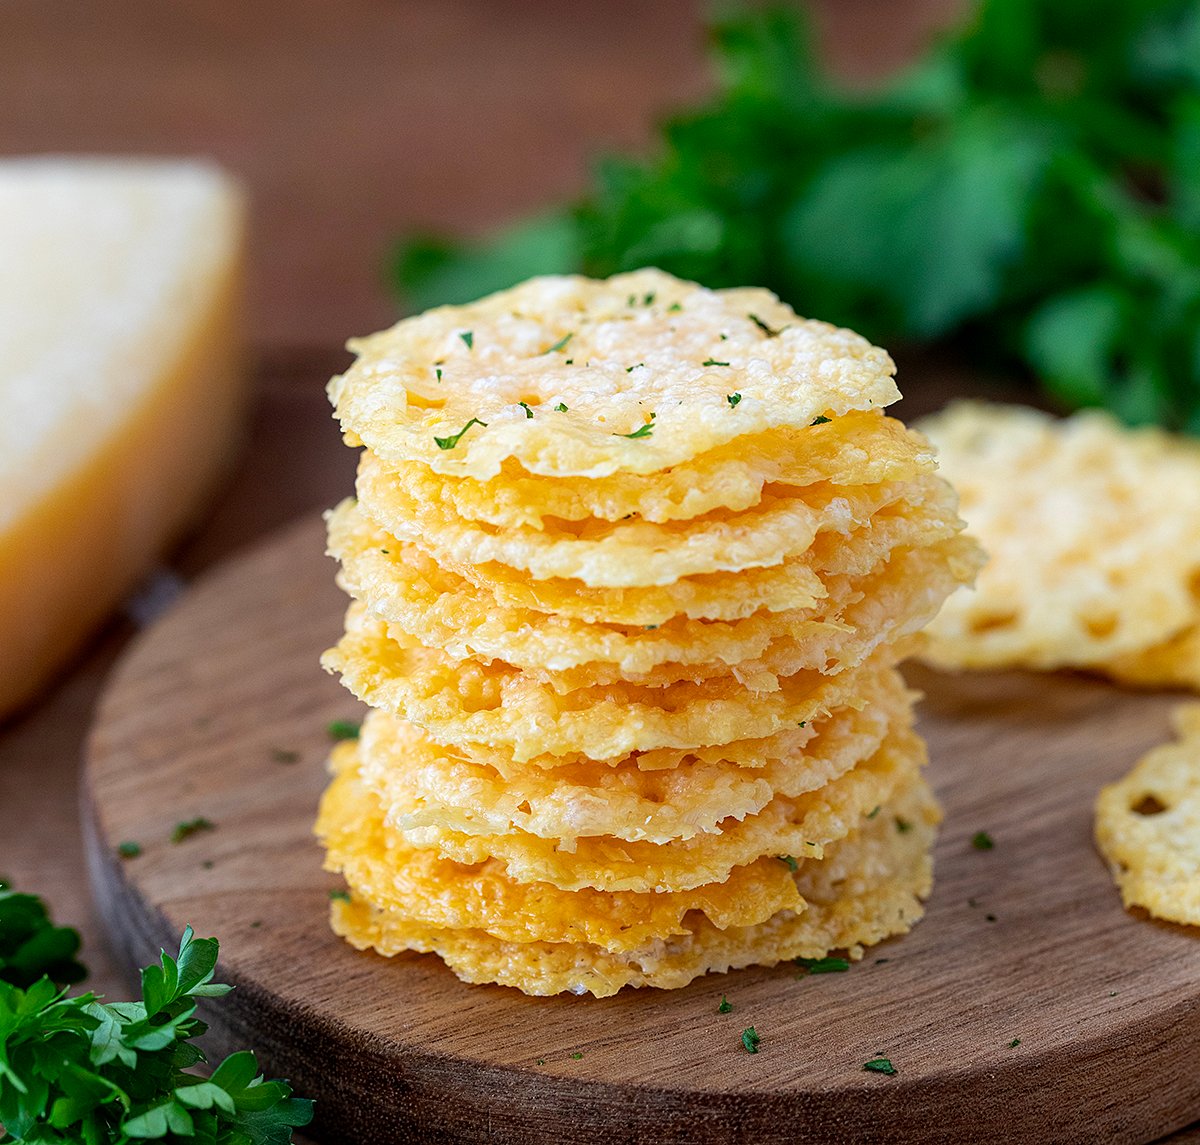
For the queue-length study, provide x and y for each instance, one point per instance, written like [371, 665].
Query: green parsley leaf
[561, 407]
[186, 828]
[733, 400]
[438, 372]
[636, 365]
[340, 895]
[724, 1006]
[792, 865]
[1014, 1043]
[763, 326]
[129, 849]
[750, 1040]
[525, 407]
[874, 811]
[880, 1065]
[820, 420]
[644, 431]
[32, 948]
[468, 337]
[451, 441]
[830, 965]
[343, 729]
[674, 308]
[80, 1071]
[903, 826]
[713, 362]
[561, 344]
[982, 841]
[577, 1055]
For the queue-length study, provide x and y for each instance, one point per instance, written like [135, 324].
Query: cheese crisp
[1093, 537]
[631, 563]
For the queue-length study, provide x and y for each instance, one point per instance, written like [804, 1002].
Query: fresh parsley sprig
[76, 1071]
[31, 946]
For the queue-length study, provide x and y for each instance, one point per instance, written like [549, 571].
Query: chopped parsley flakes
[451, 441]
[792, 865]
[1014, 1043]
[823, 965]
[880, 1065]
[733, 400]
[750, 1040]
[820, 421]
[343, 729]
[341, 895]
[468, 337]
[725, 1005]
[903, 826]
[577, 1056]
[129, 849]
[762, 325]
[561, 407]
[561, 344]
[982, 841]
[713, 362]
[525, 407]
[645, 431]
[189, 827]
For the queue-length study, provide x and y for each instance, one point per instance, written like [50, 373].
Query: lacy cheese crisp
[631, 564]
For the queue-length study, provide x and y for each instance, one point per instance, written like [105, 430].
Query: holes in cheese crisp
[1101, 627]
[992, 621]
[1148, 805]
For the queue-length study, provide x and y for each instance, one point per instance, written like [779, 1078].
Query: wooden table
[349, 123]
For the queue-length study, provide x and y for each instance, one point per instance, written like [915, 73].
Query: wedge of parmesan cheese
[121, 386]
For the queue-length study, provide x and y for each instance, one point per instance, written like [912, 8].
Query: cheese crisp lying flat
[1148, 826]
[631, 564]
[1093, 540]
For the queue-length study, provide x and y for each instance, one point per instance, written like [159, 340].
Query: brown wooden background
[348, 122]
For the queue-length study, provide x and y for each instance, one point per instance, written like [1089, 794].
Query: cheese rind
[123, 390]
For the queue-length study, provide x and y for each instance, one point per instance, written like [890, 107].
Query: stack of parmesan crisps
[632, 563]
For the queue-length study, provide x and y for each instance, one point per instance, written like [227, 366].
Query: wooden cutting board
[220, 712]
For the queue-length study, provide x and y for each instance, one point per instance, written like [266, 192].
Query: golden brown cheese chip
[858, 449]
[1172, 664]
[1148, 826]
[623, 554]
[466, 701]
[801, 827]
[1093, 534]
[869, 887]
[594, 362]
[447, 788]
[419, 887]
[403, 586]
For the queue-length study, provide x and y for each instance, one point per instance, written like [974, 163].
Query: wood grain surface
[1025, 941]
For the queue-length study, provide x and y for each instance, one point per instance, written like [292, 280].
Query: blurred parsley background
[1028, 193]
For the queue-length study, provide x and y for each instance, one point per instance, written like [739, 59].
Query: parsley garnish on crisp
[525, 407]
[903, 826]
[830, 965]
[438, 371]
[733, 400]
[561, 407]
[340, 895]
[982, 841]
[636, 365]
[561, 344]
[821, 420]
[186, 828]
[451, 441]
[762, 325]
[79, 1070]
[644, 431]
[724, 1006]
[750, 1040]
[129, 849]
[873, 812]
[468, 337]
[792, 865]
[674, 308]
[713, 362]
[880, 1065]
[343, 729]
